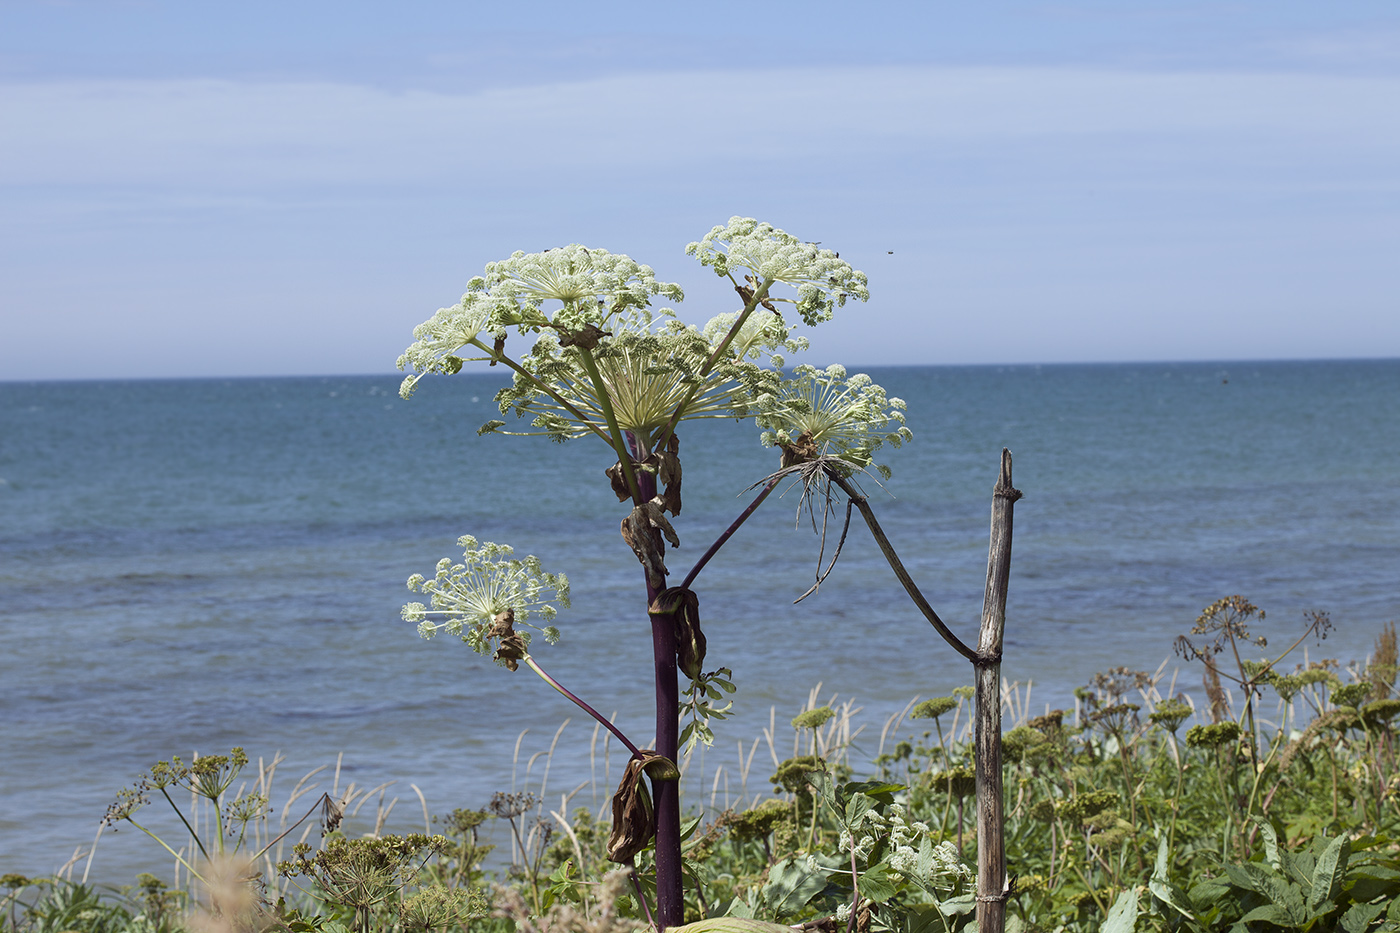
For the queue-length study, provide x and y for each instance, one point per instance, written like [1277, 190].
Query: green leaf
[791, 884]
[1327, 877]
[1358, 917]
[1269, 913]
[1205, 893]
[1122, 916]
[1369, 882]
[875, 883]
[1271, 852]
[1161, 886]
[923, 918]
[957, 906]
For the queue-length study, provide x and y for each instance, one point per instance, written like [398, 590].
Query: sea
[192, 565]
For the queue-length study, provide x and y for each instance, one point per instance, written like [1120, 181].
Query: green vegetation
[1275, 810]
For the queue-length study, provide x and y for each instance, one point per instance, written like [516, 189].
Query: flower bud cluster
[846, 417]
[488, 582]
[823, 280]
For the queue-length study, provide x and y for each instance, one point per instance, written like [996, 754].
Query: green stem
[619, 444]
[166, 795]
[547, 390]
[178, 857]
[1176, 801]
[759, 294]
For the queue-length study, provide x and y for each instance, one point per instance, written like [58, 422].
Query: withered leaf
[511, 647]
[683, 607]
[638, 531]
[619, 482]
[632, 822]
[765, 302]
[586, 337]
[800, 450]
[668, 472]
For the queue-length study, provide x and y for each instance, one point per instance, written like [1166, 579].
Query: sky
[256, 188]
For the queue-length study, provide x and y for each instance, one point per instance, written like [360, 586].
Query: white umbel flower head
[849, 418]
[468, 596]
[593, 285]
[822, 279]
[438, 340]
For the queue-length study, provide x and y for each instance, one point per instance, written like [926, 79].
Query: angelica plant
[598, 359]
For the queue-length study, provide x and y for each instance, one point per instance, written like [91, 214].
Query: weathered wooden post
[992, 888]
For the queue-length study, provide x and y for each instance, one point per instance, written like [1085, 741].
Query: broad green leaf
[1327, 877]
[1369, 882]
[923, 918]
[1269, 913]
[857, 807]
[875, 883]
[791, 885]
[875, 789]
[1205, 893]
[1358, 917]
[1266, 829]
[1241, 877]
[1122, 916]
[1161, 886]
[957, 906]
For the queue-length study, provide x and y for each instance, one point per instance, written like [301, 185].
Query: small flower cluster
[438, 340]
[487, 583]
[849, 418]
[823, 280]
[595, 286]
[912, 851]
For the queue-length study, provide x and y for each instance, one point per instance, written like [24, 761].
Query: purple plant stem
[728, 533]
[534, 666]
[666, 797]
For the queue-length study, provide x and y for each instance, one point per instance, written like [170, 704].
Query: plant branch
[164, 793]
[759, 295]
[534, 666]
[616, 440]
[178, 857]
[728, 533]
[548, 390]
[897, 566]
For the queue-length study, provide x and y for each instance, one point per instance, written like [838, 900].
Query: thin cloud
[235, 135]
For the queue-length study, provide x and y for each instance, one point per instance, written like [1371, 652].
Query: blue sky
[257, 188]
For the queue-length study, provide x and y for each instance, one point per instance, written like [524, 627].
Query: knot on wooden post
[986, 659]
[1009, 493]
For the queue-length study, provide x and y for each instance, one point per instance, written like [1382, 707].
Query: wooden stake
[992, 888]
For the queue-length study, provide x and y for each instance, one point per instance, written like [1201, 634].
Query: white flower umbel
[649, 376]
[823, 280]
[849, 418]
[439, 340]
[593, 286]
[468, 596]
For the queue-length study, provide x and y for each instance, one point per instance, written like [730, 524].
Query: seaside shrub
[1174, 850]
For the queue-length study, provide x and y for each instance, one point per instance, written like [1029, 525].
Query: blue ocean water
[192, 565]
